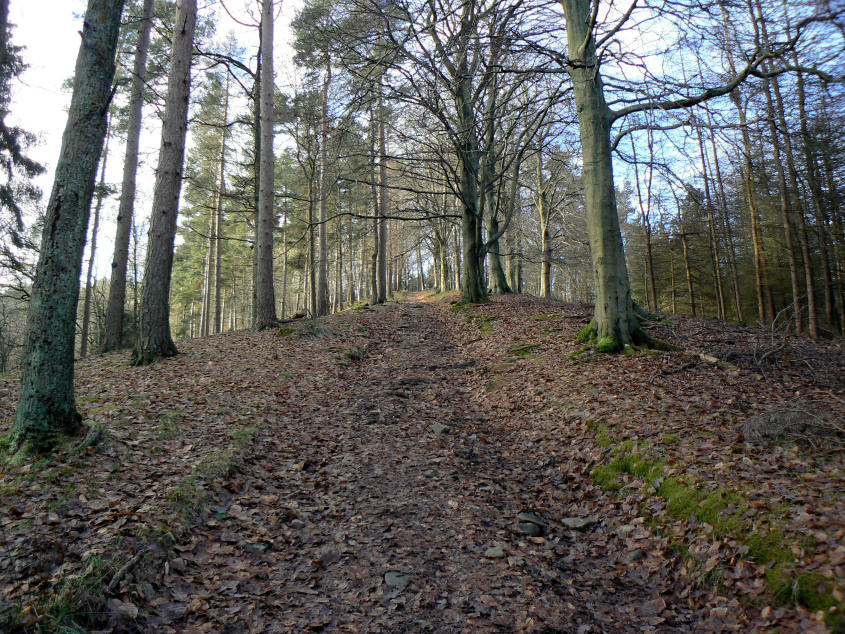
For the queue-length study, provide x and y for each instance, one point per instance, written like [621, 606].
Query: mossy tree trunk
[154, 338]
[614, 322]
[46, 406]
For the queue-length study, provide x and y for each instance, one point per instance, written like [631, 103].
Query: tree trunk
[266, 314]
[382, 202]
[46, 404]
[117, 287]
[323, 268]
[154, 335]
[718, 288]
[614, 323]
[218, 230]
[98, 206]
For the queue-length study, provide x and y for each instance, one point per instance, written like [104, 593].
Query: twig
[121, 573]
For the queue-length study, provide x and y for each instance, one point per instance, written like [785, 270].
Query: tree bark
[117, 288]
[218, 225]
[46, 404]
[154, 337]
[382, 202]
[323, 266]
[265, 290]
[98, 207]
[614, 323]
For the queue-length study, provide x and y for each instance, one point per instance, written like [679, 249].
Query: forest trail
[367, 472]
[360, 514]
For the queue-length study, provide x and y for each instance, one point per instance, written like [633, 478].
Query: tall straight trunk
[545, 242]
[323, 268]
[284, 259]
[218, 228]
[208, 276]
[339, 266]
[46, 403]
[374, 276]
[816, 197]
[809, 279]
[256, 140]
[734, 270]
[458, 264]
[312, 270]
[98, 207]
[718, 287]
[614, 322]
[265, 289]
[646, 215]
[117, 287]
[154, 334]
[382, 201]
[760, 275]
[785, 206]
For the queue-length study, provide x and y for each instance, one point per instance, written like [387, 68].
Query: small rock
[431, 473]
[396, 579]
[296, 524]
[530, 528]
[494, 552]
[256, 548]
[579, 523]
[121, 608]
[633, 555]
[625, 529]
[528, 516]
[440, 428]
[439, 459]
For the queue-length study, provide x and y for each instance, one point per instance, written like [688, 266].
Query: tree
[46, 406]
[154, 339]
[614, 322]
[17, 167]
[117, 288]
[265, 293]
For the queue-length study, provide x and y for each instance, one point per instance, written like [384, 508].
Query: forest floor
[421, 466]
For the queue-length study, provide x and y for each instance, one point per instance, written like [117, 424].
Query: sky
[49, 31]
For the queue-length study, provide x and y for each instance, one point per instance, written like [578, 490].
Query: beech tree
[154, 339]
[615, 322]
[46, 406]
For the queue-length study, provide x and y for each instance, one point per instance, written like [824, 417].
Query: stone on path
[579, 523]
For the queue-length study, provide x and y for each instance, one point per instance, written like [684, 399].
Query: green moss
[284, 331]
[587, 333]
[607, 344]
[523, 350]
[543, 317]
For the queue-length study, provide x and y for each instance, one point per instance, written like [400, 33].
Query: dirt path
[355, 513]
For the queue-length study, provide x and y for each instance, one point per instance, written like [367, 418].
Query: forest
[470, 316]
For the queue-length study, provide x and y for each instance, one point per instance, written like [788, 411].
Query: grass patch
[484, 322]
[543, 317]
[354, 353]
[524, 351]
[284, 331]
[167, 426]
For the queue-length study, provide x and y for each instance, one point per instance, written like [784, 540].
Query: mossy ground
[727, 514]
